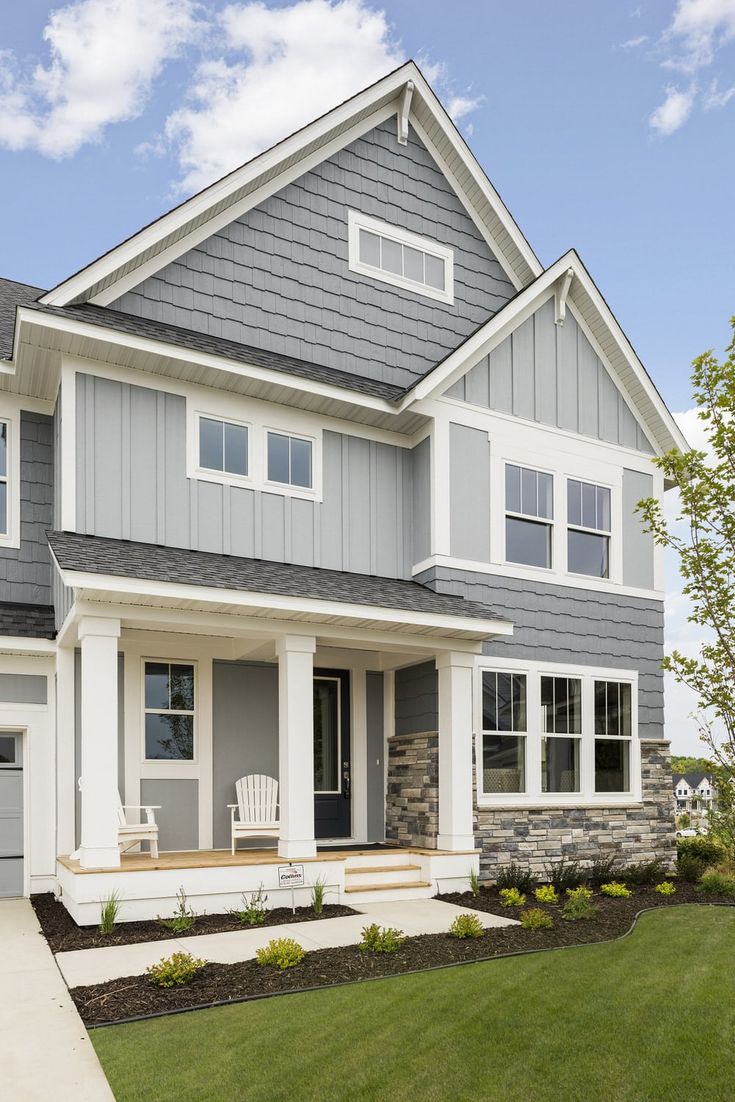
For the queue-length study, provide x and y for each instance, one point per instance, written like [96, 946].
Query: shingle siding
[278, 277]
[25, 574]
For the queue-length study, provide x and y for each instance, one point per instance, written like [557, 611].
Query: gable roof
[12, 295]
[198, 217]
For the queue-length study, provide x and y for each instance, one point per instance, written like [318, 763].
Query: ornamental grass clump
[665, 888]
[547, 893]
[381, 939]
[474, 882]
[511, 897]
[253, 910]
[616, 890]
[175, 970]
[183, 917]
[536, 919]
[109, 910]
[718, 882]
[317, 895]
[578, 905]
[280, 952]
[467, 926]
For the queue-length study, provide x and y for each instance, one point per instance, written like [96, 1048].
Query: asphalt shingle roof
[29, 621]
[151, 562]
[12, 294]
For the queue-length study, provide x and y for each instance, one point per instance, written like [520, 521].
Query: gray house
[322, 477]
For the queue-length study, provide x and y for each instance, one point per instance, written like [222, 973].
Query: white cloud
[674, 111]
[715, 97]
[104, 57]
[634, 43]
[698, 30]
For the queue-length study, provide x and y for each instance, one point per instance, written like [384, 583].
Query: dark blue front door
[332, 761]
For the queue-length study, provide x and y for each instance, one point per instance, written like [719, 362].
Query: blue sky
[605, 126]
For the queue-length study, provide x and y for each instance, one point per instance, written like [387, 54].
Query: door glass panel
[7, 749]
[326, 735]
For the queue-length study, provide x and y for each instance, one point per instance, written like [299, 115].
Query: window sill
[485, 803]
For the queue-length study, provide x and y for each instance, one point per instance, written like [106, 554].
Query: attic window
[403, 259]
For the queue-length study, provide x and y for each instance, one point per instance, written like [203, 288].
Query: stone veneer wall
[412, 799]
[533, 838]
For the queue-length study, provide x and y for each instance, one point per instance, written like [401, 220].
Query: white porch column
[456, 672]
[296, 745]
[99, 782]
[66, 781]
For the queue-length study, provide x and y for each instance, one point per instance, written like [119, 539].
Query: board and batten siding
[278, 277]
[551, 374]
[25, 571]
[132, 484]
[575, 627]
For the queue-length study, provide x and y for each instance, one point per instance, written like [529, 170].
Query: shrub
[665, 888]
[645, 872]
[565, 874]
[547, 893]
[109, 910]
[381, 939]
[536, 919]
[467, 926]
[183, 917]
[515, 876]
[174, 970]
[690, 868]
[253, 910]
[317, 895]
[718, 882]
[578, 905]
[707, 850]
[601, 870]
[281, 952]
[511, 897]
[616, 890]
[474, 882]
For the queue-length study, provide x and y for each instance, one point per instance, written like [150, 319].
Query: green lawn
[647, 1018]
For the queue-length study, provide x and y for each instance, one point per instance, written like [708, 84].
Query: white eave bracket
[403, 112]
[561, 291]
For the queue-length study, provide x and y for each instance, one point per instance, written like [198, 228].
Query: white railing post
[296, 745]
[456, 671]
[99, 784]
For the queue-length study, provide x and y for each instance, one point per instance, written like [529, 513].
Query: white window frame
[333, 791]
[210, 473]
[550, 522]
[357, 221]
[590, 531]
[289, 486]
[534, 796]
[170, 763]
[11, 537]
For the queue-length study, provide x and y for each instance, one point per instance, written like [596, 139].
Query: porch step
[387, 887]
[381, 868]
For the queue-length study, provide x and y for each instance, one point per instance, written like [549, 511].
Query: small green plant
[547, 893]
[174, 970]
[317, 895]
[565, 874]
[645, 872]
[665, 888]
[511, 897]
[601, 870]
[616, 890]
[690, 868]
[708, 850]
[536, 919]
[578, 905]
[381, 939]
[718, 882]
[183, 917]
[467, 926]
[474, 882]
[515, 876]
[281, 952]
[109, 910]
[253, 910]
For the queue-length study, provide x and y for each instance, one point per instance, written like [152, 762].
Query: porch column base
[99, 857]
[455, 842]
[296, 849]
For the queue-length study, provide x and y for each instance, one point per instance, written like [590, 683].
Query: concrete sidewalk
[45, 1050]
[417, 916]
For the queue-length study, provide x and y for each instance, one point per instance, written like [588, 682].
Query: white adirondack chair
[256, 807]
[129, 834]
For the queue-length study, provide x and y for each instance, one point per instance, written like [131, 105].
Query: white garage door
[11, 814]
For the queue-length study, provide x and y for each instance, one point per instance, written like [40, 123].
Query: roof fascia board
[245, 599]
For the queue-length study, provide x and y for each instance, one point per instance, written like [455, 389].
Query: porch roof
[95, 564]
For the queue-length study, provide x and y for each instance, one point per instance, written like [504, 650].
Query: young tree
[706, 484]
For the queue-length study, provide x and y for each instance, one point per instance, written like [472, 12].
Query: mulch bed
[134, 996]
[63, 934]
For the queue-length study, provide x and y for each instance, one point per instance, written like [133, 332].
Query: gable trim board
[173, 229]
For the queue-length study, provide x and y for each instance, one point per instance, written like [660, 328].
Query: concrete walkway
[417, 916]
[45, 1051]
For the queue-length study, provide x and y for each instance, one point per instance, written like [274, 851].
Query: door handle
[346, 779]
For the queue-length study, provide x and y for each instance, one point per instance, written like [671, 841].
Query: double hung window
[588, 531]
[529, 516]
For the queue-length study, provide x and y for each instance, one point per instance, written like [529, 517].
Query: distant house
[693, 791]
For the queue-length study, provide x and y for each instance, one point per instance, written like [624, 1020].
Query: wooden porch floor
[222, 858]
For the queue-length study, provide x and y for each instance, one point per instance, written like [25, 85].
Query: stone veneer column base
[536, 837]
[412, 795]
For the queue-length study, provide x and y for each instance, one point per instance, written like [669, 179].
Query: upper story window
[404, 259]
[588, 533]
[223, 446]
[3, 478]
[528, 494]
[169, 711]
[289, 460]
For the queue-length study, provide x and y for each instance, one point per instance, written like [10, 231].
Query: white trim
[146, 660]
[357, 221]
[211, 474]
[10, 411]
[291, 489]
[68, 441]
